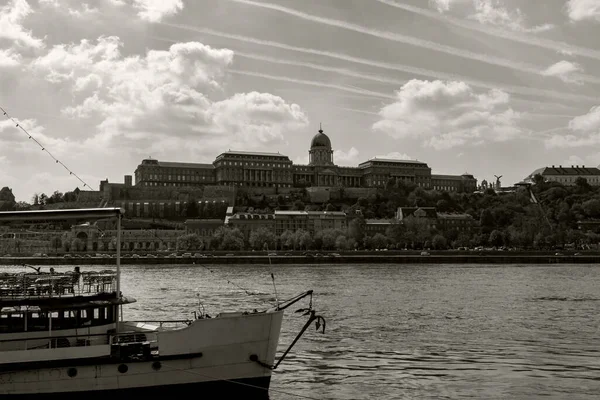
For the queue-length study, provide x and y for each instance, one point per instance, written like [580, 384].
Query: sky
[488, 87]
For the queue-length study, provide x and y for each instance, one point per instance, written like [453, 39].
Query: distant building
[311, 221]
[461, 222]
[152, 172]
[247, 223]
[567, 175]
[464, 183]
[275, 170]
[378, 171]
[403, 213]
[375, 225]
[204, 228]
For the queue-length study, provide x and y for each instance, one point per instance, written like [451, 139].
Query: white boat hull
[216, 354]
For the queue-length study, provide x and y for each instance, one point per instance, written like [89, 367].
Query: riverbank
[377, 258]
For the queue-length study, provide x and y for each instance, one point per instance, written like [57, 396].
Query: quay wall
[300, 259]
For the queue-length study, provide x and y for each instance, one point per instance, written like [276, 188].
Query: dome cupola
[320, 140]
[320, 152]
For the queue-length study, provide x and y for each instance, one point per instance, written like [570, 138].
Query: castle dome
[320, 140]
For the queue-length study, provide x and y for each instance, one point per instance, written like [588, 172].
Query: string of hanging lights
[31, 137]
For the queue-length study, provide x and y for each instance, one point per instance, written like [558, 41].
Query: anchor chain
[320, 323]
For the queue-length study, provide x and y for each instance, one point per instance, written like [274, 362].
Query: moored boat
[62, 336]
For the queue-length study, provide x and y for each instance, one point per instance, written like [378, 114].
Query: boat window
[14, 321]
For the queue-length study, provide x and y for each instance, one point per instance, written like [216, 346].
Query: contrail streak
[500, 33]
[312, 83]
[526, 91]
[358, 111]
[341, 71]
[411, 40]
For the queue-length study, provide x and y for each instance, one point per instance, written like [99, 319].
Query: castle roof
[320, 140]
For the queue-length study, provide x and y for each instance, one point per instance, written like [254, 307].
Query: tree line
[505, 219]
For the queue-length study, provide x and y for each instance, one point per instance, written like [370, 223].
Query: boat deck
[22, 286]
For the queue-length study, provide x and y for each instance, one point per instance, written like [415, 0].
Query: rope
[18, 125]
[241, 383]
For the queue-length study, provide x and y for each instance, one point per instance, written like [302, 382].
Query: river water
[407, 332]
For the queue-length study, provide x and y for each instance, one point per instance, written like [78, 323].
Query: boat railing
[45, 285]
[176, 323]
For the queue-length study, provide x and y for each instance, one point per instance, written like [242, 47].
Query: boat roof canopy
[48, 215]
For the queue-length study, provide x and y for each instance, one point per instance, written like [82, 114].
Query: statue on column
[498, 181]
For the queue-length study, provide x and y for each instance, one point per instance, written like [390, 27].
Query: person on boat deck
[51, 270]
[76, 276]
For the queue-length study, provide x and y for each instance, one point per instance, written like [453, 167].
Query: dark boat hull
[248, 389]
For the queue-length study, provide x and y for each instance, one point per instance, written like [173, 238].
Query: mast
[118, 271]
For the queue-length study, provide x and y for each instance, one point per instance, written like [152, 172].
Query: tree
[379, 241]
[302, 239]
[261, 237]
[227, 238]
[288, 240]
[22, 206]
[582, 185]
[356, 229]
[592, 208]
[56, 242]
[190, 241]
[192, 209]
[439, 242]
[299, 205]
[417, 230]
[342, 243]
[329, 238]
[76, 245]
[496, 239]
[486, 221]
[395, 232]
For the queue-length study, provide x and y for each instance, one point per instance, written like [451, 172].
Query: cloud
[449, 114]
[444, 5]
[12, 16]
[588, 122]
[580, 10]
[573, 160]
[395, 155]
[9, 58]
[156, 102]
[255, 116]
[583, 130]
[492, 12]
[487, 12]
[71, 7]
[564, 70]
[349, 157]
[156, 10]
[522, 90]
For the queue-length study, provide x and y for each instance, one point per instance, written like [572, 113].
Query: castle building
[152, 172]
[257, 169]
[567, 175]
[243, 168]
